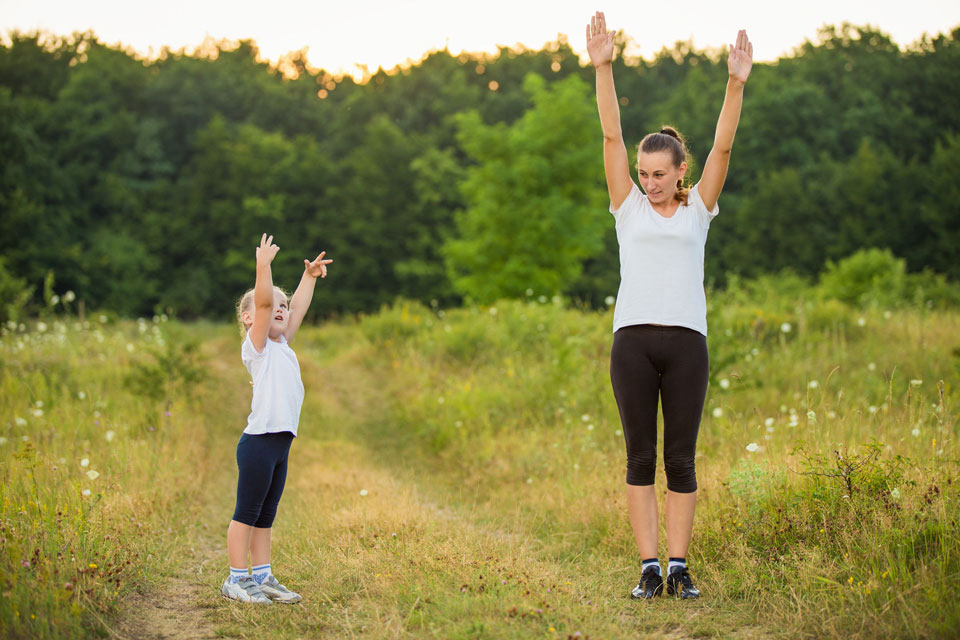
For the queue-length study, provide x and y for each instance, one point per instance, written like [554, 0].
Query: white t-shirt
[661, 263]
[277, 387]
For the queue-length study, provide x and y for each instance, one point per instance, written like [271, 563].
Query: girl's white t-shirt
[277, 387]
[661, 263]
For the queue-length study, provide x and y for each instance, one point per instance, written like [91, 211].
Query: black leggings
[262, 461]
[648, 361]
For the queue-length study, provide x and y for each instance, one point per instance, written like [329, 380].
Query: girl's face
[281, 315]
[279, 319]
[658, 175]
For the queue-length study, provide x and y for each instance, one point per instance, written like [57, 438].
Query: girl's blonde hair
[245, 303]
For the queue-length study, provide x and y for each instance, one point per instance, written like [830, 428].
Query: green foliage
[872, 276]
[533, 199]
[14, 293]
[143, 184]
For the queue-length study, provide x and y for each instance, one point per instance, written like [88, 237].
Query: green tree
[535, 204]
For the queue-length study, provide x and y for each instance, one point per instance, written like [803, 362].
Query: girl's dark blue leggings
[262, 460]
[670, 364]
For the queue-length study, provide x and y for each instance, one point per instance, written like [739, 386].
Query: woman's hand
[267, 251]
[317, 268]
[599, 41]
[740, 60]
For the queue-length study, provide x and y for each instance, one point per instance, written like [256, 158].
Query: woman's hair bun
[670, 131]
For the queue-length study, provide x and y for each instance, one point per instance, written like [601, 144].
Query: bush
[869, 276]
[14, 294]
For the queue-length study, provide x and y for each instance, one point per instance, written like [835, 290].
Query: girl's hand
[599, 41]
[740, 60]
[317, 268]
[266, 251]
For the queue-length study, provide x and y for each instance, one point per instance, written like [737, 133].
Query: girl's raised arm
[304, 293]
[615, 163]
[263, 293]
[714, 175]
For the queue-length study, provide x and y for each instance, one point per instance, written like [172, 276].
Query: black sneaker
[680, 585]
[651, 585]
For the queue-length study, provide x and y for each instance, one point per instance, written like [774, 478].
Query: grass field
[460, 474]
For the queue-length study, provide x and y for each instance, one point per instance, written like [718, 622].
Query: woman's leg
[683, 390]
[636, 385]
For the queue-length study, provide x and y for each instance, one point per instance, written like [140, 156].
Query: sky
[341, 36]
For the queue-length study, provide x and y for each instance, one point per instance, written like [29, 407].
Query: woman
[660, 325]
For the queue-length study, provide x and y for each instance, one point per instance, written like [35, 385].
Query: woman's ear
[683, 169]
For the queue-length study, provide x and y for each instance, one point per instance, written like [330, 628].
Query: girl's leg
[262, 528]
[260, 546]
[238, 543]
[636, 384]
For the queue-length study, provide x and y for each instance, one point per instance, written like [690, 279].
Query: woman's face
[658, 176]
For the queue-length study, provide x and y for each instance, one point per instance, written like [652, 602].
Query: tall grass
[459, 474]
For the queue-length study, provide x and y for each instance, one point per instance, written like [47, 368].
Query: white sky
[341, 35]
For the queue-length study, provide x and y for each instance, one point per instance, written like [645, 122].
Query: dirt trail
[174, 610]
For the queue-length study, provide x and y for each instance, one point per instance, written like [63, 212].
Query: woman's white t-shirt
[277, 387]
[661, 263]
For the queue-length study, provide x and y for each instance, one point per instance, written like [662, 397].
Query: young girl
[660, 322]
[270, 324]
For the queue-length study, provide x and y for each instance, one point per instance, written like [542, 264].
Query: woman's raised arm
[615, 163]
[714, 175]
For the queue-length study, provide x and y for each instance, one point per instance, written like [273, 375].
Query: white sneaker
[244, 590]
[277, 592]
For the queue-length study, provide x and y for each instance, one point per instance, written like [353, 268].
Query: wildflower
[724, 383]
[529, 292]
[576, 466]
[93, 475]
[85, 462]
[21, 422]
[458, 424]
[585, 417]
[861, 321]
[872, 409]
[883, 576]
[895, 493]
[3, 441]
[811, 416]
[493, 311]
[41, 327]
[609, 300]
[529, 481]
[25, 438]
[85, 492]
[813, 384]
[440, 400]
[916, 383]
[109, 435]
[872, 366]
[589, 427]
[769, 422]
[718, 412]
[103, 319]
[850, 580]
[82, 395]
[129, 348]
[785, 327]
[752, 447]
[915, 433]
[363, 492]
[69, 296]
[54, 300]
[831, 414]
[38, 413]
[770, 429]
[92, 565]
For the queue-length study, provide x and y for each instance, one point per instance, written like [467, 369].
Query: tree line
[143, 185]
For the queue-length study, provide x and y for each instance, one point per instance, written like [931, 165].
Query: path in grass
[378, 549]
